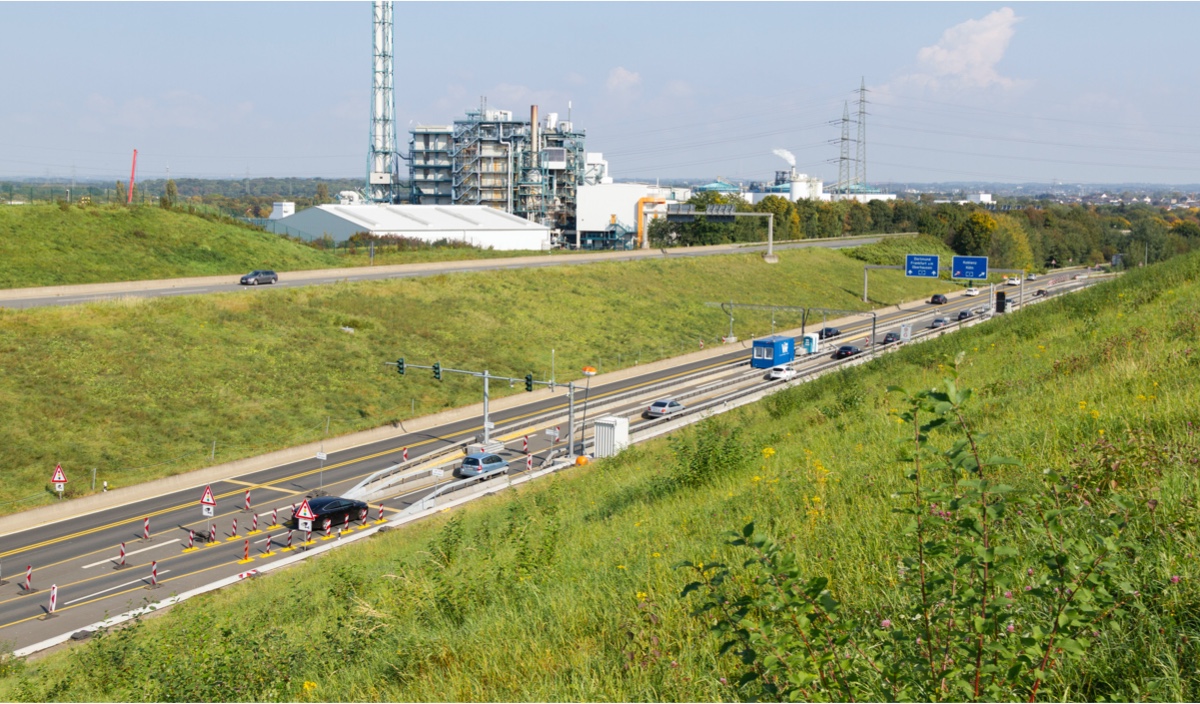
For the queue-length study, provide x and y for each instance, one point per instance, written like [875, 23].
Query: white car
[1031, 277]
[1015, 281]
[971, 292]
[782, 373]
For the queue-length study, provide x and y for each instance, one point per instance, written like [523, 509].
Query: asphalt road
[70, 295]
[79, 554]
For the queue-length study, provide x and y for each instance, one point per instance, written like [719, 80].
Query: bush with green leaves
[1001, 590]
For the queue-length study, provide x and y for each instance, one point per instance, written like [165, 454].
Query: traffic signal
[437, 371]
[529, 382]
[400, 366]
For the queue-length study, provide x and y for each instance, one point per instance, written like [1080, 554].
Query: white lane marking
[110, 560]
[105, 591]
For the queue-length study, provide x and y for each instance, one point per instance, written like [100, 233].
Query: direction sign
[921, 265]
[969, 268]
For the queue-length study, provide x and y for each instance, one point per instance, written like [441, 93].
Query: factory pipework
[643, 242]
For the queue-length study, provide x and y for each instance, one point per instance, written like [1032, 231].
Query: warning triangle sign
[207, 499]
[59, 476]
[305, 513]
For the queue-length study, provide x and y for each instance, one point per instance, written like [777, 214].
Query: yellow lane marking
[127, 591]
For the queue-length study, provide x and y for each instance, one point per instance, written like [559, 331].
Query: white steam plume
[786, 156]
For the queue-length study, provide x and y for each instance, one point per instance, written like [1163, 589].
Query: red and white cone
[146, 529]
[29, 578]
[233, 533]
[247, 508]
[405, 454]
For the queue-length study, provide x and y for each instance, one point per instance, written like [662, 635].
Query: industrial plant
[534, 169]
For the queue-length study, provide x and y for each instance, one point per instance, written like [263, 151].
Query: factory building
[476, 225]
[616, 215]
[791, 185]
[529, 168]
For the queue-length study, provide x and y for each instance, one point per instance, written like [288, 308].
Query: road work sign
[305, 516]
[207, 503]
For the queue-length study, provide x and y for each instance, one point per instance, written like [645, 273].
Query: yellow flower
[1095, 414]
[1101, 431]
[1082, 405]
[641, 596]
[816, 499]
[309, 686]
[620, 567]
[654, 554]
[756, 479]
[768, 452]
[1141, 397]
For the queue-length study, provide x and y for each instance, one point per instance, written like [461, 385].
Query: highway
[88, 293]
[80, 554]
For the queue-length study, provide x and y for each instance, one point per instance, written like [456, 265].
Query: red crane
[132, 172]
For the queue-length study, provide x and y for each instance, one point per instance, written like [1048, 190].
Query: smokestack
[535, 145]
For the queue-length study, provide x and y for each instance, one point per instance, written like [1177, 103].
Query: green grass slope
[45, 245]
[142, 388]
[568, 590]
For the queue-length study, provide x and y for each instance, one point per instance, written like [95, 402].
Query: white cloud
[967, 54]
[622, 80]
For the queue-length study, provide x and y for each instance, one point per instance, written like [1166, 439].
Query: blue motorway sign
[969, 268]
[924, 265]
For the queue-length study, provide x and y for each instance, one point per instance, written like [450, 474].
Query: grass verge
[569, 590]
[142, 388]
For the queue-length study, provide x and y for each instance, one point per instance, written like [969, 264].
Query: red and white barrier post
[274, 516]
[146, 529]
[212, 533]
[233, 533]
[268, 552]
[121, 565]
[254, 524]
[525, 444]
[529, 462]
[153, 575]
[346, 522]
[404, 454]
[246, 551]
[381, 512]
[191, 539]
[29, 578]
[362, 515]
[53, 599]
[328, 525]
[289, 545]
[247, 507]
[307, 537]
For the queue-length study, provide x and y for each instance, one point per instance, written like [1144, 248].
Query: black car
[846, 351]
[890, 338]
[260, 276]
[826, 333]
[339, 511]
[938, 299]
[964, 314]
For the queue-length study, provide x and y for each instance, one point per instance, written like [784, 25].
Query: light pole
[589, 372]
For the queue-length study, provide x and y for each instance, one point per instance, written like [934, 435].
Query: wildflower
[309, 686]
[1101, 431]
[620, 567]
[1010, 628]
[816, 499]
[674, 664]
[1028, 588]
[768, 452]
[885, 623]
[1095, 414]
[1095, 634]
[756, 479]
[722, 680]
[654, 554]
[1007, 595]
[641, 596]
[1083, 405]
[1174, 579]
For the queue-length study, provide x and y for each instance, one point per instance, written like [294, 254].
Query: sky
[1077, 92]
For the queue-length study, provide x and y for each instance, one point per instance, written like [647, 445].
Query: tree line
[1034, 237]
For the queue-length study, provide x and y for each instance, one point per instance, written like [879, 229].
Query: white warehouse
[477, 225]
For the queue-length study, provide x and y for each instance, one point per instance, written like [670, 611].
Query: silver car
[663, 408]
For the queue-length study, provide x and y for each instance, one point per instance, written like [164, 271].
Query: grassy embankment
[150, 384]
[566, 590]
[45, 245]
